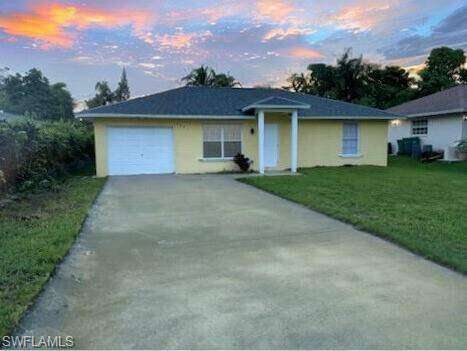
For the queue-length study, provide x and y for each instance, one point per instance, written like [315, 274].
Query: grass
[422, 207]
[37, 231]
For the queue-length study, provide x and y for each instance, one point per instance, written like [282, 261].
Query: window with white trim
[221, 141]
[350, 138]
[420, 127]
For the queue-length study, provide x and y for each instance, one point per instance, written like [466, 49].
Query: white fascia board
[276, 107]
[352, 117]
[445, 112]
[260, 105]
[136, 116]
[276, 110]
[232, 117]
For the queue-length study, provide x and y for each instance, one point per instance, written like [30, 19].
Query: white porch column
[261, 141]
[293, 141]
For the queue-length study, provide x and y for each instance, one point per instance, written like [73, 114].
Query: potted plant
[242, 162]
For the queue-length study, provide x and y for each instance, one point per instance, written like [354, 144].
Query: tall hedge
[35, 153]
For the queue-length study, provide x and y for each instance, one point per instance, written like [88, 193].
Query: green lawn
[422, 207]
[36, 233]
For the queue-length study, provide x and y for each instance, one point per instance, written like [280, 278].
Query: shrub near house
[36, 153]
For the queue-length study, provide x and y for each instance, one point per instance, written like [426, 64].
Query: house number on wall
[181, 125]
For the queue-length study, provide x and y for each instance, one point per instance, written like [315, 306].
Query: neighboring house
[6, 116]
[439, 119]
[198, 130]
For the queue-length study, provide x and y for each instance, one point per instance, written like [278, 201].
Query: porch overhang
[276, 104]
[260, 112]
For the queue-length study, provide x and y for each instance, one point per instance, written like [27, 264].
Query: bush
[242, 162]
[462, 146]
[36, 154]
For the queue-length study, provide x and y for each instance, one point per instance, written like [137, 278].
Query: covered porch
[270, 116]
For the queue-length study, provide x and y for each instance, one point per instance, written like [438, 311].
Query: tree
[345, 81]
[32, 94]
[299, 82]
[386, 87]
[225, 80]
[353, 80]
[3, 74]
[122, 93]
[3, 97]
[12, 91]
[463, 76]
[349, 77]
[443, 70]
[323, 80]
[201, 76]
[104, 95]
[64, 104]
[205, 76]
[37, 98]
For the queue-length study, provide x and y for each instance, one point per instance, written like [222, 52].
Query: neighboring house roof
[452, 100]
[204, 102]
[6, 116]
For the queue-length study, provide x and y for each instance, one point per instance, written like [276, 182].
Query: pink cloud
[281, 33]
[215, 13]
[50, 23]
[181, 40]
[176, 41]
[211, 14]
[277, 10]
[364, 15]
[305, 53]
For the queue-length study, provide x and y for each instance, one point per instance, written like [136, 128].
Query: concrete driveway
[207, 262]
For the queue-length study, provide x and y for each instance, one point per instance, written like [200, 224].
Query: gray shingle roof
[202, 101]
[447, 101]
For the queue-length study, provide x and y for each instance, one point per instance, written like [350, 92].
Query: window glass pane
[212, 133]
[231, 148]
[350, 147]
[212, 149]
[350, 130]
[350, 138]
[420, 127]
[232, 133]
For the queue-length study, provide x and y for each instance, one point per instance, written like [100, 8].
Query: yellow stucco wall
[320, 143]
[188, 143]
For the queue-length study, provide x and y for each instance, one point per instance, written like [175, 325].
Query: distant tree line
[353, 80]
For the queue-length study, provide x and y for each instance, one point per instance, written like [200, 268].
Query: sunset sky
[257, 41]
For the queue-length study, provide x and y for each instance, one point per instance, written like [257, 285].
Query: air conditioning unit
[450, 154]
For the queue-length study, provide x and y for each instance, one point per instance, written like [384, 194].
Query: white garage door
[139, 150]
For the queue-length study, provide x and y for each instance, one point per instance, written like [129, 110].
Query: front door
[271, 144]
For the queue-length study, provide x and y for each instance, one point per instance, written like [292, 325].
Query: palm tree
[205, 76]
[201, 76]
[104, 95]
[350, 74]
[225, 80]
